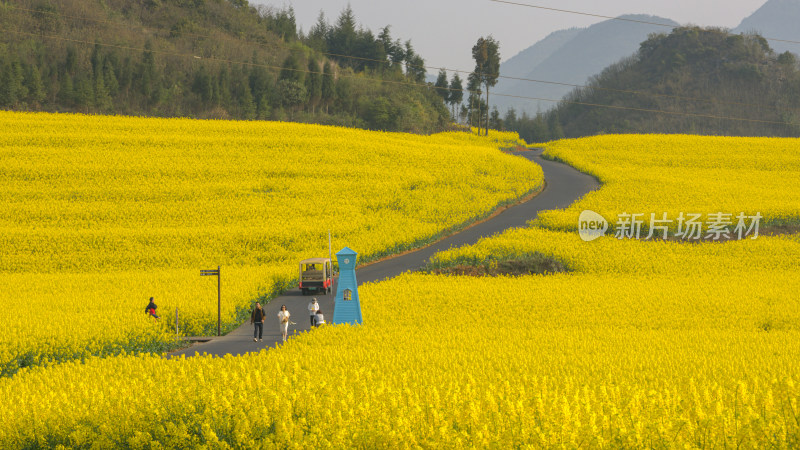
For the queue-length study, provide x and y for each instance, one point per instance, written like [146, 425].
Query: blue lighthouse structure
[346, 307]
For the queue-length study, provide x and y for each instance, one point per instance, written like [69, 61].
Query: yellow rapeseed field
[657, 174]
[101, 213]
[644, 344]
[584, 359]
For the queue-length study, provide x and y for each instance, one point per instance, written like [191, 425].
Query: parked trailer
[316, 274]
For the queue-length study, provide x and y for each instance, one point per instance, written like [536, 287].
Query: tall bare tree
[486, 53]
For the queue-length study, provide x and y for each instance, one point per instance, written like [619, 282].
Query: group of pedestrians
[315, 314]
[258, 316]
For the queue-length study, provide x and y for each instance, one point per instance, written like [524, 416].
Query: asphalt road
[564, 185]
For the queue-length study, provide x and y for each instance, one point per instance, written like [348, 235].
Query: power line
[675, 113]
[528, 5]
[532, 80]
[408, 83]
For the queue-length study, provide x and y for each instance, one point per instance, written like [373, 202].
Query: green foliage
[282, 23]
[380, 114]
[527, 263]
[313, 84]
[495, 122]
[292, 94]
[441, 85]
[787, 58]
[486, 53]
[456, 94]
[327, 91]
[208, 59]
[291, 69]
[12, 90]
[699, 76]
[701, 71]
[36, 89]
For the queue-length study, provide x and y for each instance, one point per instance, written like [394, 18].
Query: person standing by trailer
[257, 319]
[151, 309]
[283, 319]
[313, 307]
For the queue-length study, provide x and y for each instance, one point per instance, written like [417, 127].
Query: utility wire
[675, 113]
[408, 83]
[532, 80]
[615, 18]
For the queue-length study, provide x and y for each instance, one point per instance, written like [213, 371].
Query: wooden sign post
[212, 272]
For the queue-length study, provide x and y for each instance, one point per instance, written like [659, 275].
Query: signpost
[215, 272]
[330, 256]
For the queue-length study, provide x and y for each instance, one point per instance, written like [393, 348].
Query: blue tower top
[346, 304]
[346, 258]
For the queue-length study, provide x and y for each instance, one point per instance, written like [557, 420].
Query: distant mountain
[776, 19]
[693, 81]
[570, 56]
[520, 64]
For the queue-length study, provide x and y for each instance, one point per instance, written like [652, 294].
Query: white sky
[444, 31]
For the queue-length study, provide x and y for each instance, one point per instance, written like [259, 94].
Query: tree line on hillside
[707, 80]
[211, 59]
[475, 112]
[227, 59]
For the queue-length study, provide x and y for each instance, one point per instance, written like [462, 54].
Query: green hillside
[220, 59]
[701, 81]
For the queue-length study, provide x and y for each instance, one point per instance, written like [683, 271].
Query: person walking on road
[319, 319]
[151, 309]
[283, 318]
[313, 307]
[257, 319]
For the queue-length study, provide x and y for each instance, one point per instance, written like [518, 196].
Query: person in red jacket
[151, 309]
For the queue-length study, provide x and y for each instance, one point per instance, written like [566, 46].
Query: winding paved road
[564, 186]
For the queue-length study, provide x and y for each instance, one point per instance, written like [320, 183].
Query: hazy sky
[444, 31]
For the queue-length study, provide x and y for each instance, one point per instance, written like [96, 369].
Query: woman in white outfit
[283, 319]
[313, 307]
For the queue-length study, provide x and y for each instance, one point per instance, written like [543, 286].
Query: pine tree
[456, 94]
[293, 94]
[495, 122]
[84, 92]
[441, 85]
[475, 108]
[110, 77]
[554, 125]
[12, 89]
[71, 61]
[318, 34]
[33, 80]
[148, 75]
[486, 53]
[394, 52]
[342, 37]
[223, 87]
[260, 87]
[246, 102]
[328, 88]
[202, 85]
[102, 99]
[97, 62]
[66, 89]
[313, 84]
[291, 69]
